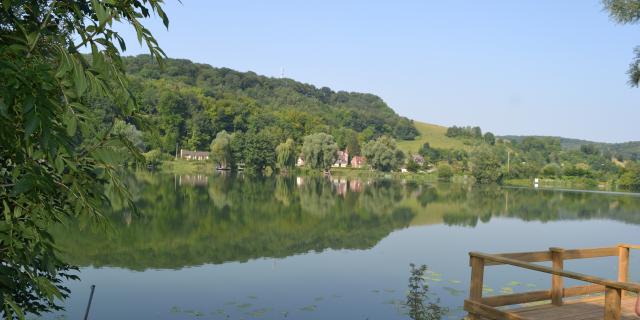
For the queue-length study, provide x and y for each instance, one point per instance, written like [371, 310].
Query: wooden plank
[557, 282]
[623, 264]
[582, 290]
[540, 256]
[630, 246]
[517, 298]
[590, 253]
[477, 280]
[482, 310]
[612, 303]
[633, 287]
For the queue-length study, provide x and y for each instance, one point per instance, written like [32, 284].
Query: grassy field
[187, 167]
[435, 135]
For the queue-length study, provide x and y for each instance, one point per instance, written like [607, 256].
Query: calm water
[221, 247]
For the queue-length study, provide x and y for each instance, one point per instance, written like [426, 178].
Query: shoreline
[575, 185]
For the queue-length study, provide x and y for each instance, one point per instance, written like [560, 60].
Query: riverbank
[564, 183]
[205, 167]
[186, 167]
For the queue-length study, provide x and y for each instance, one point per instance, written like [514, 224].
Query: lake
[234, 247]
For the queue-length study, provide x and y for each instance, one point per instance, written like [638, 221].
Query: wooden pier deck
[558, 303]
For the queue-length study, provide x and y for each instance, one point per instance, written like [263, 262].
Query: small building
[342, 159]
[357, 161]
[300, 162]
[194, 155]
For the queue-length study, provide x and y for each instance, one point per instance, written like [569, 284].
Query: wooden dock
[599, 299]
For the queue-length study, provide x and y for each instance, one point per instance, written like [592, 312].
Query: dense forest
[188, 104]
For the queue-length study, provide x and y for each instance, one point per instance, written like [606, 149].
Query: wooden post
[612, 303]
[477, 280]
[557, 282]
[623, 264]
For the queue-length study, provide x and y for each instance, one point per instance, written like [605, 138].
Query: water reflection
[194, 220]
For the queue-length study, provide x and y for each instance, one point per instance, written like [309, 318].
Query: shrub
[445, 172]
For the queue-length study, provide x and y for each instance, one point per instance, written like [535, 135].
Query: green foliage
[486, 166]
[155, 157]
[445, 172]
[412, 165]
[286, 154]
[464, 132]
[489, 138]
[579, 170]
[418, 301]
[589, 149]
[259, 151]
[221, 152]
[630, 179]
[189, 103]
[552, 170]
[382, 154]
[319, 151]
[56, 160]
[627, 12]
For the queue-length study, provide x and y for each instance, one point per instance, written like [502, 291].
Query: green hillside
[434, 135]
[188, 103]
[625, 150]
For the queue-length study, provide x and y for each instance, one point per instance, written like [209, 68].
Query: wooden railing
[480, 307]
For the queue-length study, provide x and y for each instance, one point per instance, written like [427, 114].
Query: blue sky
[543, 67]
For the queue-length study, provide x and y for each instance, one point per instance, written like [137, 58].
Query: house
[194, 155]
[418, 159]
[300, 162]
[342, 159]
[357, 161]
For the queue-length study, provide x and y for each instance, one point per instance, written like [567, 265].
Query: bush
[486, 166]
[445, 172]
[154, 157]
[552, 170]
[630, 179]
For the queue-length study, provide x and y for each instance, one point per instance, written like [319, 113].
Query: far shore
[206, 167]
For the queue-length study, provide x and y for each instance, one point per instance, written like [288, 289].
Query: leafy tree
[589, 149]
[552, 170]
[445, 172]
[382, 154]
[154, 157]
[486, 166]
[237, 147]
[55, 159]
[627, 12]
[490, 138]
[319, 150]
[259, 151]
[630, 179]
[128, 132]
[286, 154]
[221, 152]
[430, 154]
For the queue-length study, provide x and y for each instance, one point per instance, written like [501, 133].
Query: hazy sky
[544, 67]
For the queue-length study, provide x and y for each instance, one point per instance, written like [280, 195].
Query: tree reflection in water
[187, 221]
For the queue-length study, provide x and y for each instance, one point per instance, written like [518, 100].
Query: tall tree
[55, 160]
[259, 151]
[382, 154]
[319, 150]
[286, 154]
[221, 150]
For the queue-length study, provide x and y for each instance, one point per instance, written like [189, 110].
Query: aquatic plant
[419, 305]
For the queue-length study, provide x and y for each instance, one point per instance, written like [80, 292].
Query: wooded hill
[624, 151]
[189, 103]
